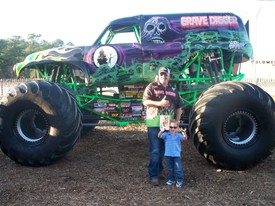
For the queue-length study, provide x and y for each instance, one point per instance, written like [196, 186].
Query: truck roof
[177, 16]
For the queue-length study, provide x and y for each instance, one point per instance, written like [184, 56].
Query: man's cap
[164, 70]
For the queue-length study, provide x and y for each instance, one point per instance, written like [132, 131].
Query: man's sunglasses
[173, 127]
[163, 74]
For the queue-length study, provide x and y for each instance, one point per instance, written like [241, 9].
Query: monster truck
[231, 122]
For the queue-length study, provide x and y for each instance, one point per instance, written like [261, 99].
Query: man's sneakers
[179, 184]
[170, 182]
[155, 181]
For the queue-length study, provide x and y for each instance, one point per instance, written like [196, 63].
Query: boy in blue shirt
[172, 155]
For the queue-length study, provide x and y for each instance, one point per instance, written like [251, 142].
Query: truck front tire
[40, 123]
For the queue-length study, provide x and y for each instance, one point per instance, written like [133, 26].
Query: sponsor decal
[125, 104]
[263, 62]
[102, 110]
[136, 104]
[126, 110]
[137, 110]
[100, 105]
[236, 45]
[111, 109]
[114, 114]
[125, 116]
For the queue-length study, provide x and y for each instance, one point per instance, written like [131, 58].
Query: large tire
[40, 123]
[232, 125]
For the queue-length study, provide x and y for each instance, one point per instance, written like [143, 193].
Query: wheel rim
[31, 125]
[240, 129]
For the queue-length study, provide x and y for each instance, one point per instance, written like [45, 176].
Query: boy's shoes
[155, 181]
[179, 184]
[170, 182]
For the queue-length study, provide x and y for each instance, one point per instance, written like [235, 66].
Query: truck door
[161, 44]
[117, 56]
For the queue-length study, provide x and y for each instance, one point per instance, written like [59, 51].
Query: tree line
[16, 48]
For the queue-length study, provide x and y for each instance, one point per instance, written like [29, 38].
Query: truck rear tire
[232, 125]
[40, 123]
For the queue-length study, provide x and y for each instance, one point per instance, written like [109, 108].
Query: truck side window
[122, 35]
[124, 38]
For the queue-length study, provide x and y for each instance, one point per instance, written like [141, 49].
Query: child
[173, 140]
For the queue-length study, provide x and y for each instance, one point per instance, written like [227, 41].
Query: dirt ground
[108, 166]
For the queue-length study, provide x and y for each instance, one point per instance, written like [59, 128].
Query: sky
[81, 21]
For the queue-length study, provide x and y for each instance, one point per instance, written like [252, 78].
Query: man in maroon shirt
[160, 99]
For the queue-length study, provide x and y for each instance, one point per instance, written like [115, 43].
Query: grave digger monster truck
[231, 122]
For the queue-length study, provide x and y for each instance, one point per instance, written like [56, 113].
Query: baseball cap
[164, 70]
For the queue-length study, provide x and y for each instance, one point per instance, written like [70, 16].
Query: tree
[57, 43]
[12, 51]
[15, 49]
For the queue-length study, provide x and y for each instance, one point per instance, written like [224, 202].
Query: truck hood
[59, 54]
[73, 55]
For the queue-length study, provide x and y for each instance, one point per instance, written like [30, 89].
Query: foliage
[15, 49]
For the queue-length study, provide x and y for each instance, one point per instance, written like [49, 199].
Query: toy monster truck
[231, 122]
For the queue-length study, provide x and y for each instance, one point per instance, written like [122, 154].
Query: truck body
[106, 80]
[129, 52]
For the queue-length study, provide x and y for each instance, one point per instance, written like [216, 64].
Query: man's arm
[178, 114]
[152, 103]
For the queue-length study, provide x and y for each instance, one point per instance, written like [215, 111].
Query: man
[160, 100]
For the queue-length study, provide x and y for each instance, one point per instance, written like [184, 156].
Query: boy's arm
[184, 136]
[160, 133]
[183, 133]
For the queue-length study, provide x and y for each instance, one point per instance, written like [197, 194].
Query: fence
[268, 84]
